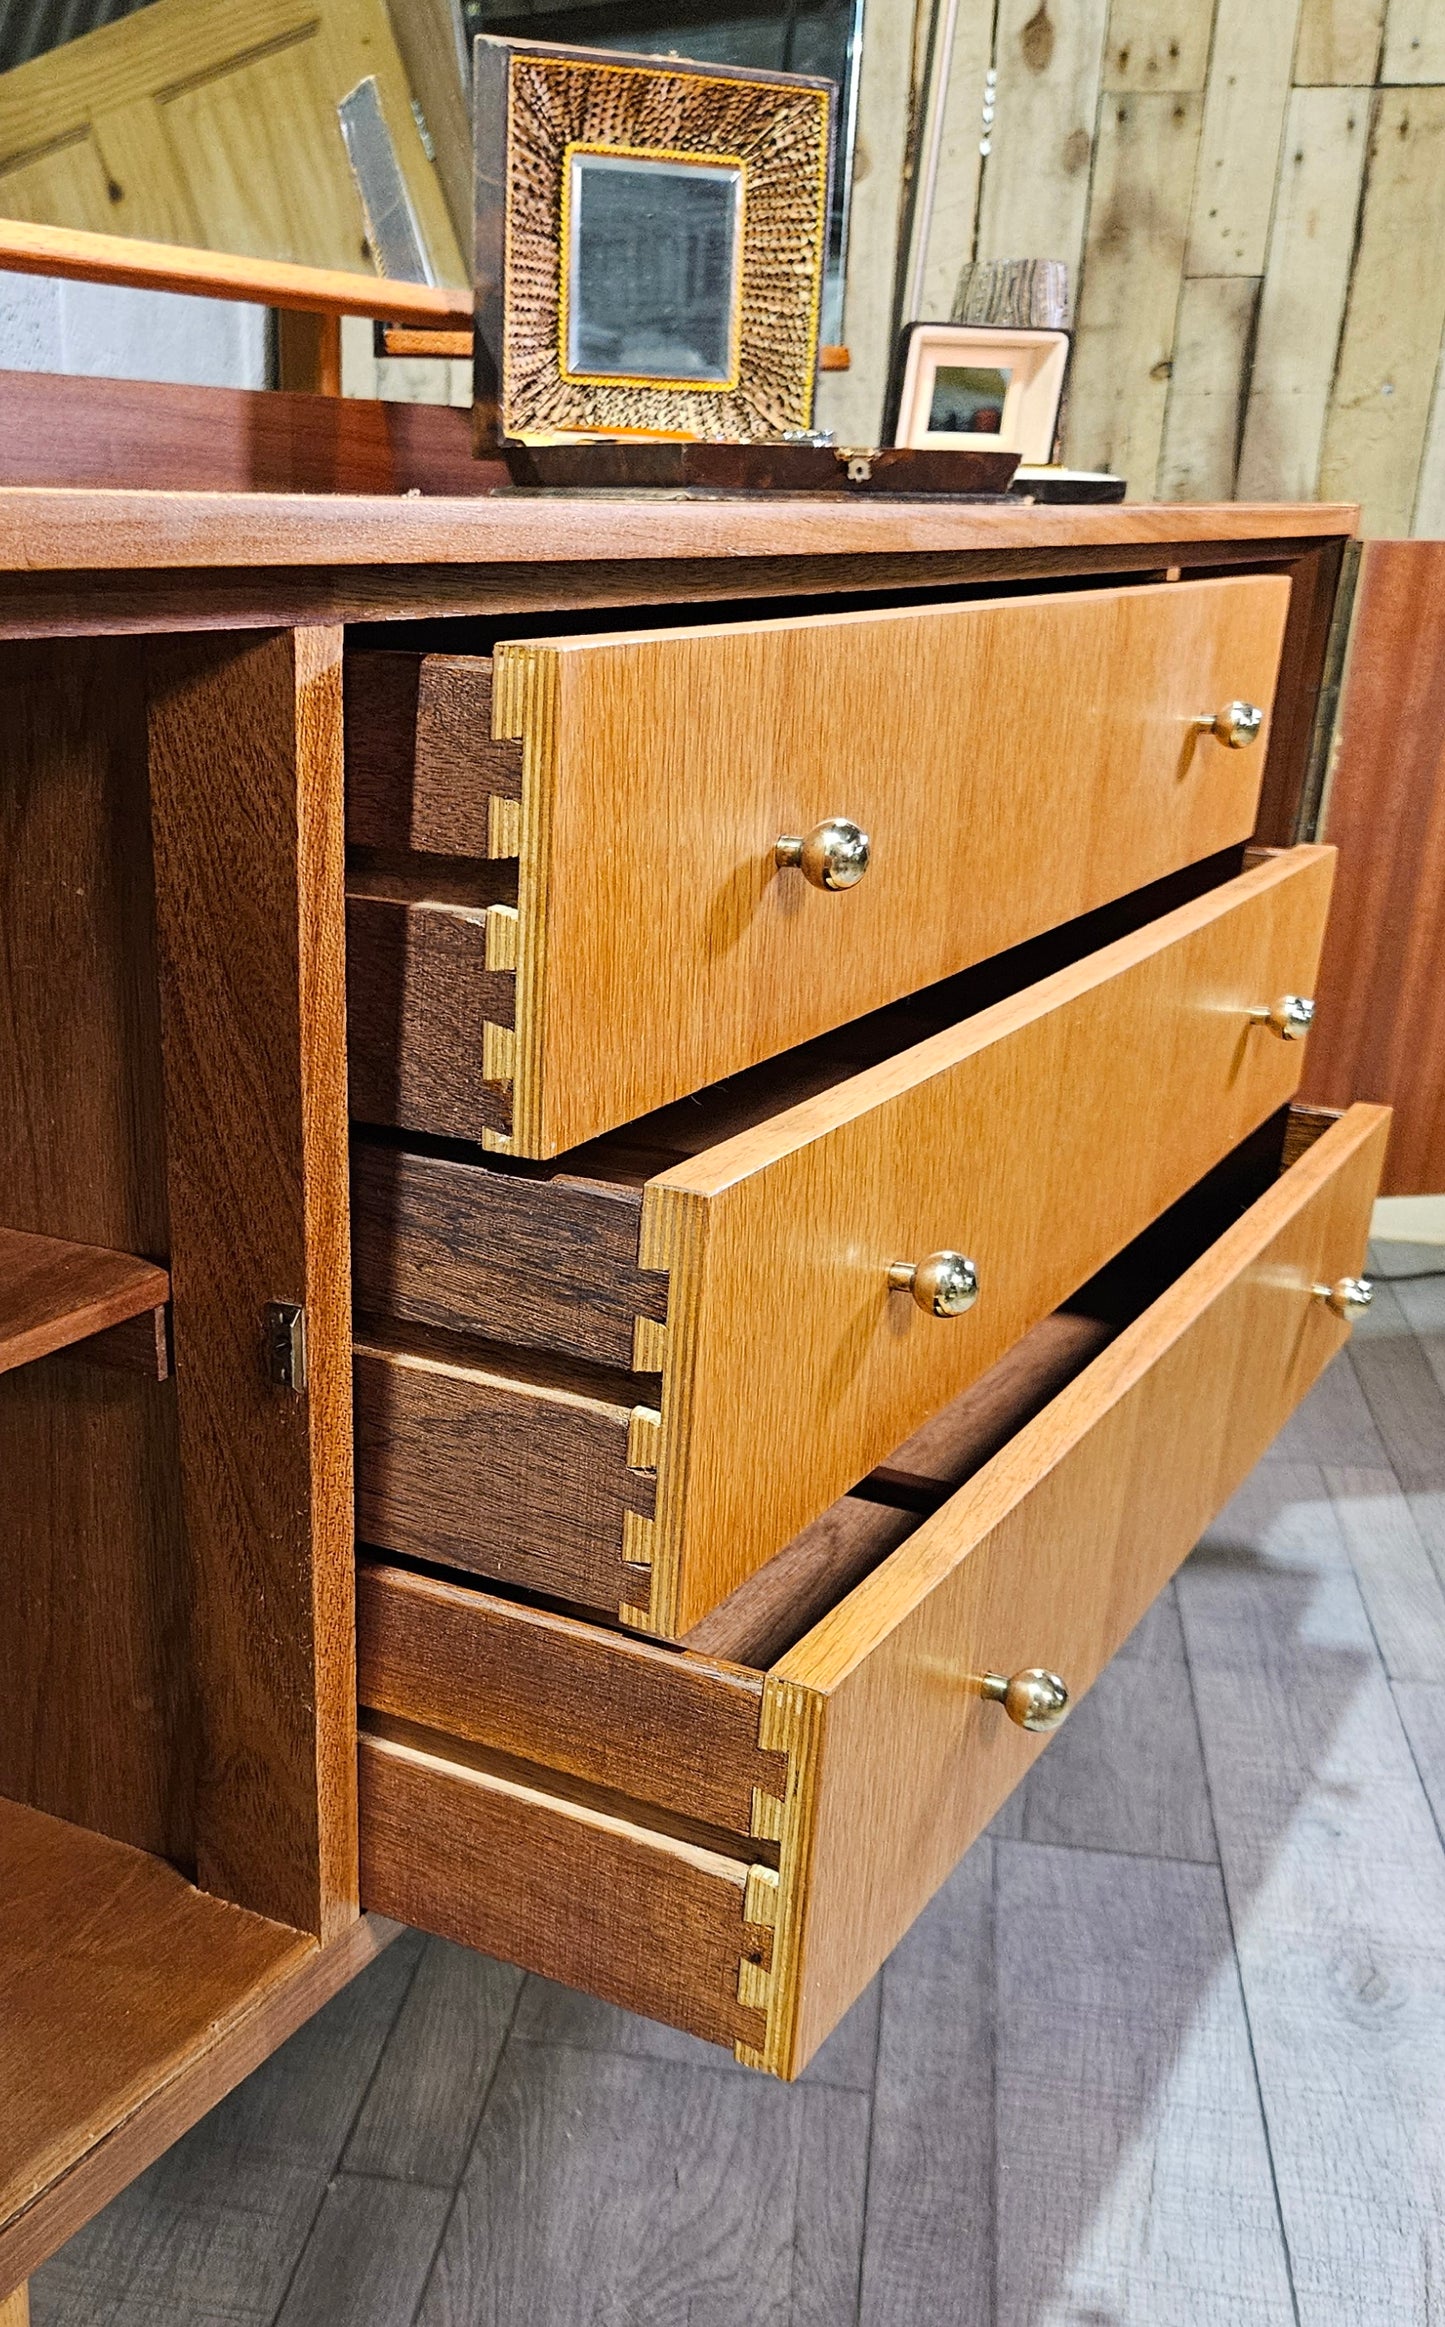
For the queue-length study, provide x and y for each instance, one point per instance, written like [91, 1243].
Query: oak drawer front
[875, 1760]
[1015, 763]
[1037, 1137]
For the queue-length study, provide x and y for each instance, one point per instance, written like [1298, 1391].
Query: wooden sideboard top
[44, 529]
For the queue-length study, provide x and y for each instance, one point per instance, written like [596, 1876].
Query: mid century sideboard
[819, 1225]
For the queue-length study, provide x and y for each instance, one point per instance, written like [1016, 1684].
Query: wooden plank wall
[1253, 199]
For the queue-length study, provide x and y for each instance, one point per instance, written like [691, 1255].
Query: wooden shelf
[130, 2004]
[53, 1294]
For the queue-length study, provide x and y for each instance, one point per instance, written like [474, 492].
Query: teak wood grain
[131, 2004]
[246, 787]
[53, 1293]
[1015, 762]
[548, 1264]
[1038, 1136]
[1047, 1557]
[124, 531]
[680, 1731]
[96, 1706]
[1382, 1001]
[419, 992]
[645, 1919]
[459, 1460]
[422, 764]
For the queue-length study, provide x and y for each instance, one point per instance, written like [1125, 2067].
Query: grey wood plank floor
[1170, 2045]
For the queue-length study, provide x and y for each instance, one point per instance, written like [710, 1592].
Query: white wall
[99, 331]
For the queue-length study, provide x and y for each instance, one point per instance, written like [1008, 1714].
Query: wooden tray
[758, 468]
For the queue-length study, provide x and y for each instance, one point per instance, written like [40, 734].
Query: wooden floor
[1169, 2047]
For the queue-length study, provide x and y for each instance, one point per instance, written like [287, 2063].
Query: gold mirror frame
[536, 103]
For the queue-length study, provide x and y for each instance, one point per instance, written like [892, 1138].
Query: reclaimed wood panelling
[1035, 196]
[1414, 41]
[1380, 410]
[1429, 518]
[1338, 43]
[1306, 282]
[1158, 44]
[1206, 389]
[948, 230]
[1244, 112]
[1138, 224]
[1199, 142]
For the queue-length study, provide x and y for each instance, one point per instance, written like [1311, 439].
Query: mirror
[200, 123]
[652, 254]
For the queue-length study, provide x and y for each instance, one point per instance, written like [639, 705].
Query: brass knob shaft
[944, 1285]
[834, 855]
[1235, 724]
[1349, 1297]
[1291, 1017]
[1034, 1699]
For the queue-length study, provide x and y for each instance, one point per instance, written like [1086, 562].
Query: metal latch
[286, 1344]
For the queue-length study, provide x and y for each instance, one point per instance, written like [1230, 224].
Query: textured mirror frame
[541, 110]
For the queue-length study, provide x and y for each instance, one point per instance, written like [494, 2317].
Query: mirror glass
[968, 399]
[652, 257]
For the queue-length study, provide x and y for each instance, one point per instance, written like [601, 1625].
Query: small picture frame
[974, 386]
[651, 241]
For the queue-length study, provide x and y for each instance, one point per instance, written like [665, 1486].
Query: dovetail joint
[760, 1899]
[636, 1540]
[755, 1986]
[644, 1431]
[501, 937]
[504, 827]
[767, 1820]
[499, 1053]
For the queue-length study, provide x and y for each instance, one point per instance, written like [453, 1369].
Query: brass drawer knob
[1034, 1699]
[834, 855]
[1236, 724]
[1349, 1297]
[1291, 1017]
[944, 1285]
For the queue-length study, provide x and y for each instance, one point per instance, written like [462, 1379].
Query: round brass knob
[1235, 724]
[944, 1285]
[1349, 1297]
[834, 855]
[1291, 1017]
[1035, 1699]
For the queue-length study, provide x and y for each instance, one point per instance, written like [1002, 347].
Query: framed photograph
[651, 239]
[972, 385]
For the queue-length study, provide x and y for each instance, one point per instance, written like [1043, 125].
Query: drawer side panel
[615, 1711]
[652, 1924]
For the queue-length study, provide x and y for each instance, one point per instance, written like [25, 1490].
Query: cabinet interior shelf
[54, 1294]
[130, 2003]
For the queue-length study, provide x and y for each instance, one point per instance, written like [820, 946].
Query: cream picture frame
[1016, 374]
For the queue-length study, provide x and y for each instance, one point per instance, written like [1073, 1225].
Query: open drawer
[734, 1845]
[566, 900]
[733, 1261]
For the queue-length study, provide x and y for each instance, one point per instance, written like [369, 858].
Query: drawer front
[1037, 1138]
[1015, 763]
[874, 1760]
[1047, 1558]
